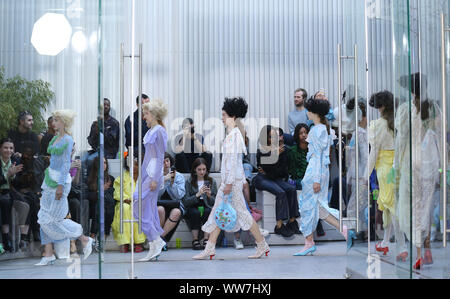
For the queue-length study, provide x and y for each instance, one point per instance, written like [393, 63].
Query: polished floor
[329, 261]
[229, 263]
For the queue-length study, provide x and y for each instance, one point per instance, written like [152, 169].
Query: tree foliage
[18, 94]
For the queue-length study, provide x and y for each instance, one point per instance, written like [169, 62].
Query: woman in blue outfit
[155, 142]
[313, 201]
[55, 228]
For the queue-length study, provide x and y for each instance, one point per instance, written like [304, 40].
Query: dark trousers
[194, 219]
[334, 201]
[286, 196]
[79, 213]
[184, 161]
[94, 214]
[6, 204]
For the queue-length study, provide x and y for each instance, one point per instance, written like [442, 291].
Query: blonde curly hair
[157, 108]
[67, 117]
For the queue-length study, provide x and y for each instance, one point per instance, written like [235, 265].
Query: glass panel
[48, 60]
[427, 209]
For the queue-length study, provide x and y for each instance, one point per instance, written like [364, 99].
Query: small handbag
[225, 215]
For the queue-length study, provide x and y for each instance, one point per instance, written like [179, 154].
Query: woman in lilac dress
[155, 142]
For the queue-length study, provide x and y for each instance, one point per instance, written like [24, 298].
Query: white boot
[151, 249]
[158, 245]
[209, 251]
[46, 260]
[261, 249]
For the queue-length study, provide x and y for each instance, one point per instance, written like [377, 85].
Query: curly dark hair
[235, 107]
[297, 131]
[319, 107]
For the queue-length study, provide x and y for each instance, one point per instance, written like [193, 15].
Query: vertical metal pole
[140, 140]
[121, 151]
[444, 130]
[356, 138]
[340, 136]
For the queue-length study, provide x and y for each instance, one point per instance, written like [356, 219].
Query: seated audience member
[25, 189]
[124, 239]
[188, 147]
[170, 207]
[10, 168]
[201, 191]
[297, 156]
[272, 157]
[111, 133]
[298, 163]
[92, 195]
[46, 137]
[23, 137]
[145, 99]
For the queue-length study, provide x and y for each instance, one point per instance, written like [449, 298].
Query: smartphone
[172, 169]
[208, 184]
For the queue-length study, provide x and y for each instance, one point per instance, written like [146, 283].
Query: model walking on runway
[155, 143]
[233, 178]
[313, 201]
[55, 188]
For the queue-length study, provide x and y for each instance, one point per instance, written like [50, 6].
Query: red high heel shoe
[384, 250]
[428, 258]
[418, 264]
[402, 256]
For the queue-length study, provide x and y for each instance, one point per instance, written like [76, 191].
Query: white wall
[196, 52]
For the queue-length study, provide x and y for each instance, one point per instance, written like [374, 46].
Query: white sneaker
[238, 244]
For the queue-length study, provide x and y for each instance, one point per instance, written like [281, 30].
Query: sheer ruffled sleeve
[66, 160]
[234, 147]
[159, 139]
[318, 154]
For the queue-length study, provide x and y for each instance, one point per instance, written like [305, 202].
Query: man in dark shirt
[145, 99]
[47, 136]
[188, 147]
[111, 133]
[23, 137]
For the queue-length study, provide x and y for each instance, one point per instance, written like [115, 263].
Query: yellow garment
[125, 238]
[386, 195]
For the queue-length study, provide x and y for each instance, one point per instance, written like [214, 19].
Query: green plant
[18, 94]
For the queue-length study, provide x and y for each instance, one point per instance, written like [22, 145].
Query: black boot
[24, 241]
[319, 229]
[7, 245]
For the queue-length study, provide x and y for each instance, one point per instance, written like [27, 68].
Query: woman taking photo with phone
[201, 191]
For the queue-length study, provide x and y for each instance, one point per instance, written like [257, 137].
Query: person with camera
[170, 208]
[200, 196]
[190, 146]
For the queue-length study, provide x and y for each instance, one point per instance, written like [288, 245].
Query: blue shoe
[351, 235]
[307, 251]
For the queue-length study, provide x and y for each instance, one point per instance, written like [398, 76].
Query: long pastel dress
[362, 179]
[125, 238]
[310, 203]
[155, 143]
[232, 172]
[55, 228]
[381, 157]
[424, 169]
